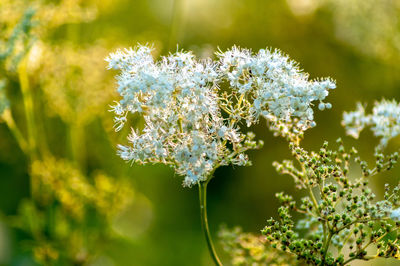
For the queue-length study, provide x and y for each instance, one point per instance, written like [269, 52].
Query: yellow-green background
[355, 42]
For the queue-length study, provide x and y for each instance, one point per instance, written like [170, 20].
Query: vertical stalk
[326, 246]
[29, 110]
[30, 122]
[7, 117]
[204, 221]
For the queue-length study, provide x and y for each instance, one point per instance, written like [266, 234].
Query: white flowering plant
[194, 126]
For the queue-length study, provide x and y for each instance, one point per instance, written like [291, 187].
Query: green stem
[204, 221]
[314, 200]
[29, 110]
[326, 246]
[7, 117]
[27, 97]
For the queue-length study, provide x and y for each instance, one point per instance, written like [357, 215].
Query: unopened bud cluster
[339, 211]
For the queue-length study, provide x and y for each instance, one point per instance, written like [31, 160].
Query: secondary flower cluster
[193, 126]
[274, 86]
[384, 120]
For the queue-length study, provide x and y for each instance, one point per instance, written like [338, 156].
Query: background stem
[7, 117]
[27, 97]
[204, 221]
[29, 110]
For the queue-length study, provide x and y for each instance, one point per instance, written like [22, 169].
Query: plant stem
[29, 110]
[204, 221]
[7, 117]
[27, 97]
[326, 246]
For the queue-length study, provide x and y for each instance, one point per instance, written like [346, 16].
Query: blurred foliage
[75, 85]
[61, 181]
[371, 26]
[251, 249]
[4, 103]
[57, 136]
[69, 214]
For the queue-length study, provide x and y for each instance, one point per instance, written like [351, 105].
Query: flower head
[190, 124]
[274, 86]
[355, 121]
[178, 99]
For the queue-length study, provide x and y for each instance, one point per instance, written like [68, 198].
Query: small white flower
[354, 122]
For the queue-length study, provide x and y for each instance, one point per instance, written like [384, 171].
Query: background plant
[68, 212]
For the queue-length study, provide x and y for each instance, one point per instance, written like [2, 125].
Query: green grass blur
[357, 43]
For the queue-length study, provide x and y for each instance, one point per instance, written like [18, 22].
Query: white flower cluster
[355, 121]
[275, 86]
[384, 120]
[177, 97]
[180, 101]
